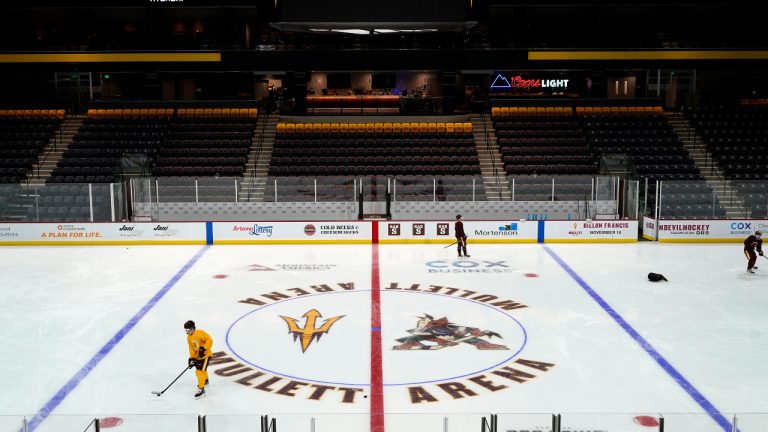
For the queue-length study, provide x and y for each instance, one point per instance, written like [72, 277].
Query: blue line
[63, 392]
[668, 368]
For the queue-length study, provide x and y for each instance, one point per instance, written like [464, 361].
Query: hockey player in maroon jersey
[752, 243]
[461, 236]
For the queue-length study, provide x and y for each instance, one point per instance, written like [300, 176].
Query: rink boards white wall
[314, 232]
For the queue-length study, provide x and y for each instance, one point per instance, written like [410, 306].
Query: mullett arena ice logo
[307, 343]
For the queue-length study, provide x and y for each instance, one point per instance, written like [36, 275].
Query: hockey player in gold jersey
[200, 344]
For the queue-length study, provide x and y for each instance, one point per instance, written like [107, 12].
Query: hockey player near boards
[753, 243]
[461, 236]
[200, 344]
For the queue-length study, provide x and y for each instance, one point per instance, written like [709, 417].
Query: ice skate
[200, 393]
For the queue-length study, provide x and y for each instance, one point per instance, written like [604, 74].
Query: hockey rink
[408, 337]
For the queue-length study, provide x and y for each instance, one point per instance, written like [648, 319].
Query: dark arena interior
[283, 172]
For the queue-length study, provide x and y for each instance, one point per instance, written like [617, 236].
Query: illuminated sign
[517, 81]
[537, 84]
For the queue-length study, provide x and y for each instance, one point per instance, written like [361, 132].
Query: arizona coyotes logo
[435, 334]
[309, 331]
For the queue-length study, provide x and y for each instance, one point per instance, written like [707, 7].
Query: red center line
[377, 375]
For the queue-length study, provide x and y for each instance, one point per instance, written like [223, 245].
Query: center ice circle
[341, 356]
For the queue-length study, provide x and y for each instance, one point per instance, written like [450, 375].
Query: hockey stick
[169, 385]
[450, 245]
[92, 422]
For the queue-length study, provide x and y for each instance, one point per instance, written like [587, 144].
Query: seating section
[736, 137]
[755, 196]
[95, 154]
[183, 142]
[444, 188]
[130, 112]
[687, 200]
[374, 188]
[393, 149]
[542, 141]
[561, 188]
[173, 189]
[72, 202]
[23, 136]
[205, 146]
[644, 135]
[217, 112]
[310, 189]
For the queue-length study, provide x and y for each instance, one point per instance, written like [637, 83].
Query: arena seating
[23, 136]
[542, 141]
[643, 134]
[755, 196]
[183, 142]
[95, 153]
[339, 149]
[302, 189]
[688, 200]
[205, 146]
[736, 138]
[202, 189]
[426, 160]
[72, 202]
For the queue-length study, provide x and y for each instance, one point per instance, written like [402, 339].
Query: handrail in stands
[258, 151]
[487, 139]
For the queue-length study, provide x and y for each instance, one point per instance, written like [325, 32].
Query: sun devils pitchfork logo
[309, 331]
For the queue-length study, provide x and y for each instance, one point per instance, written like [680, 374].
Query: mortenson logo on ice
[261, 230]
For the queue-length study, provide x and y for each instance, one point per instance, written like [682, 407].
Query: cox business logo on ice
[467, 266]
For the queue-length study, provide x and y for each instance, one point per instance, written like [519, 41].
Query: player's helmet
[758, 233]
[458, 217]
[189, 325]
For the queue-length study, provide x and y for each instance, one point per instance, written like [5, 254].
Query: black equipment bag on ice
[655, 277]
